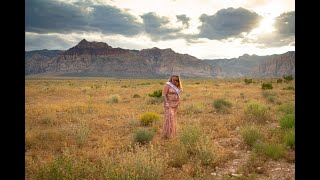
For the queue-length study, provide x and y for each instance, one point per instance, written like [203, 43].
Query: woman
[171, 96]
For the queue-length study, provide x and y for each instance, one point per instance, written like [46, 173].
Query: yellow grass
[60, 111]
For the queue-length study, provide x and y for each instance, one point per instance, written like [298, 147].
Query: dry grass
[97, 118]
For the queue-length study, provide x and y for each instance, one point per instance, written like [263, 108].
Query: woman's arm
[164, 94]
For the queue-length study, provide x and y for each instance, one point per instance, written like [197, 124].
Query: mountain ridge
[99, 59]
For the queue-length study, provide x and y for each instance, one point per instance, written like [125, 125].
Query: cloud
[59, 17]
[108, 19]
[33, 42]
[284, 34]
[184, 19]
[155, 26]
[227, 23]
[285, 24]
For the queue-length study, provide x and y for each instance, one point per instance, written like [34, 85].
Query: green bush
[247, 81]
[273, 151]
[251, 135]
[288, 78]
[156, 94]
[256, 112]
[149, 118]
[279, 80]
[266, 86]
[287, 121]
[143, 136]
[222, 105]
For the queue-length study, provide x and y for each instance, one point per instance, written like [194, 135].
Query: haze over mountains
[98, 59]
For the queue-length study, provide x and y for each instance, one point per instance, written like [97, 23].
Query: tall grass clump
[67, 166]
[288, 108]
[287, 121]
[271, 150]
[222, 105]
[250, 135]
[62, 167]
[82, 132]
[189, 137]
[289, 138]
[178, 155]
[114, 98]
[143, 136]
[149, 118]
[204, 151]
[256, 112]
[139, 162]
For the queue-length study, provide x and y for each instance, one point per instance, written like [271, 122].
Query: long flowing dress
[170, 125]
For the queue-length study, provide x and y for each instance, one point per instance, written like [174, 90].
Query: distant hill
[256, 66]
[101, 60]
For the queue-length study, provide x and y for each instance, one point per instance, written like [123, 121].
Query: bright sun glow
[266, 26]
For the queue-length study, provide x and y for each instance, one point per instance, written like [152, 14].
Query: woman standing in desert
[171, 96]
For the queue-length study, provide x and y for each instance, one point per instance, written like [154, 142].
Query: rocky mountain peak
[84, 44]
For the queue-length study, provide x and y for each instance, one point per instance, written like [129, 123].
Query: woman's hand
[166, 105]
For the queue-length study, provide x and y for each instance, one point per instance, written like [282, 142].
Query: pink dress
[169, 125]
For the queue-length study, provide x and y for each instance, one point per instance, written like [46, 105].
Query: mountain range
[98, 59]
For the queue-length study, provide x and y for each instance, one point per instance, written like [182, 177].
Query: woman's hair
[179, 78]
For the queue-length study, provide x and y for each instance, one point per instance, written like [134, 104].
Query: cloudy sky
[206, 29]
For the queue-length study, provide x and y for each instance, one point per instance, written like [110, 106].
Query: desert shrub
[204, 151]
[114, 98]
[149, 118]
[273, 151]
[247, 81]
[289, 138]
[194, 108]
[156, 94]
[136, 96]
[143, 136]
[187, 94]
[82, 132]
[289, 88]
[288, 108]
[256, 112]
[61, 167]
[279, 80]
[287, 121]
[271, 96]
[222, 105]
[178, 155]
[288, 78]
[250, 135]
[154, 100]
[189, 136]
[139, 162]
[266, 86]
[66, 166]
[242, 95]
